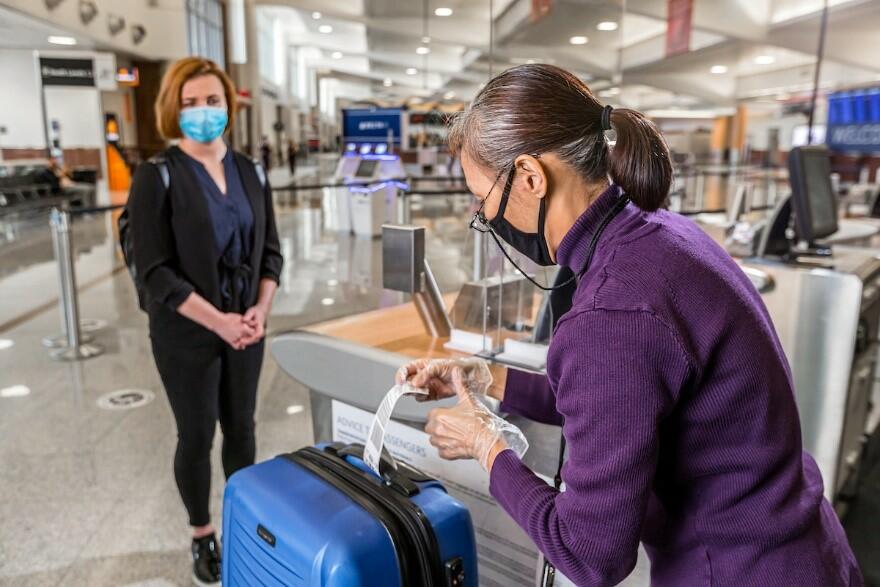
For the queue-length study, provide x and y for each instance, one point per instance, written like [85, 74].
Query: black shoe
[206, 561]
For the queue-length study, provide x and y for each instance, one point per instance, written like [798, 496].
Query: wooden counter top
[396, 329]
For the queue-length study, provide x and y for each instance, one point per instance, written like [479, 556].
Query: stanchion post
[700, 189]
[76, 349]
[403, 211]
[479, 268]
[60, 340]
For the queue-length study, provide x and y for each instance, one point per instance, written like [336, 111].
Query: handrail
[293, 186]
[720, 210]
[440, 192]
[95, 209]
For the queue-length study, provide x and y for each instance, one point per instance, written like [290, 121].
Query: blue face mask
[203, 123]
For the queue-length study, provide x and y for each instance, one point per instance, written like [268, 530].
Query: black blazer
[172, 234]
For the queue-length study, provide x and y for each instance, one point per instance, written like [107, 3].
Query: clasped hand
[242, 330]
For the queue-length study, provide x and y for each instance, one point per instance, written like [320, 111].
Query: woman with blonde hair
[205, 245]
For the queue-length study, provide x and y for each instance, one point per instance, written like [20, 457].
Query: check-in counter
[826, 318]
[354, 360]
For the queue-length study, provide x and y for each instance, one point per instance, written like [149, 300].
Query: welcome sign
[360, 125]
[854, 121]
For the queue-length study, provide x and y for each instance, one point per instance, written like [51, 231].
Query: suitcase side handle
[391, 474]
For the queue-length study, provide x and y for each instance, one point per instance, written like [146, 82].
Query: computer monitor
[366, 168]
[813, 200]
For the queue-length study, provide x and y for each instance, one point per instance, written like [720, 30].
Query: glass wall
[205, 31]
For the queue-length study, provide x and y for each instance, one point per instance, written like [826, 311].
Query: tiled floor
[87, 496]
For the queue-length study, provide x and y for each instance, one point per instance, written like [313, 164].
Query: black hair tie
[606, 117]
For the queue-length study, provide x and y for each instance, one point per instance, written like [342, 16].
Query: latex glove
[436, 375]
[470, 429]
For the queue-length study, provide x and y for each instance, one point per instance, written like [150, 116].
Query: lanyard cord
[609, 216]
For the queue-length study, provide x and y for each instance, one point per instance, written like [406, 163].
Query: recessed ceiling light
[415, 100]
[783, 96]
[294, 409]
[607, 25]
[426, 40]
[422, 50]
[316, 15]
[335, 282]
[449, 95]
[718, 69]
[411, 71]
[764, 59]
[579, 40]
[325, 28]
[6, 343]
[609, 92]
[15, 391]
[442, 11]
[336, 55]
[62, 40]
[387, 83]
[328, 302]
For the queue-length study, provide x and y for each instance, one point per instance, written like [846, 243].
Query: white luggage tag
[376, 437]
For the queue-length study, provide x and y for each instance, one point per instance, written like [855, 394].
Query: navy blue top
[233, 222]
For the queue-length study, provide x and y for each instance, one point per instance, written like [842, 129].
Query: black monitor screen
[813, 199]
[366, 168]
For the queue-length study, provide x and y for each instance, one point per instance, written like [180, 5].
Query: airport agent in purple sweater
[667, 375]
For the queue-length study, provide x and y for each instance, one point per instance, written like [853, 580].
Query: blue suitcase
[320, 517]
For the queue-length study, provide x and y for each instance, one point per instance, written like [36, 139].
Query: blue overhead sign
[362, 125]
[854, 121]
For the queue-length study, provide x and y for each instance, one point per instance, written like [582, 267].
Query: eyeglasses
[479, 222]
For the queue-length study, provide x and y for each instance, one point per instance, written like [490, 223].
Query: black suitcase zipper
[410, 531]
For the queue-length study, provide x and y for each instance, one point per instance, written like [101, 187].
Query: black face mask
[534, 245]
[531, 244]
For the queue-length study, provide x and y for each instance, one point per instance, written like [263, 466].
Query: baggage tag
[376, 436]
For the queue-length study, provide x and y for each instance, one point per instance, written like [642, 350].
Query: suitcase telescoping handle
[391, 473]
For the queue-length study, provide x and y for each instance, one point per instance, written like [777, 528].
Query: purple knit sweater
[679, 413]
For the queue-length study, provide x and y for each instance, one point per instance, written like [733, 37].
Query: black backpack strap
[260, 170]
[161, 164]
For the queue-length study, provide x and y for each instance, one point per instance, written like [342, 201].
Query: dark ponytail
[639, 161]
[539, 108]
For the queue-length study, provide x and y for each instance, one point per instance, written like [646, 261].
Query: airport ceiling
[19, 31]
[740, 49]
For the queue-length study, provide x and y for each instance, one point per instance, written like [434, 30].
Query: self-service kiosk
[373, 177]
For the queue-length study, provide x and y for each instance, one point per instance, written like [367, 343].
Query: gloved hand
[470, 430]
[436, 375]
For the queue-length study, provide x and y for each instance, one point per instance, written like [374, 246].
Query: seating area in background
[26, 185]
